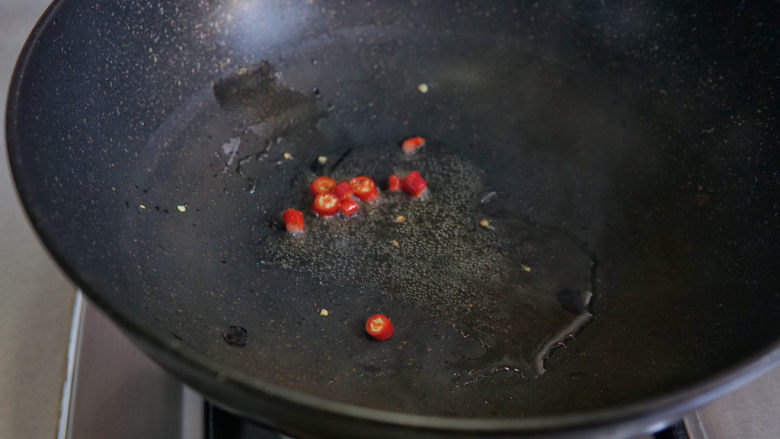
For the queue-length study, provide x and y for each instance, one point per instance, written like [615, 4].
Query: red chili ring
[379, 327]
[293, 221]
[414, 184]
[411, 144]
[365, 188]
[343, 190]
[326, 204]
[349, 207]
[322, 185]
[394, 183]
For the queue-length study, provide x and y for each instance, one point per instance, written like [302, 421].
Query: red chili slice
[411, 144]
[293, 221]
[326, 204]
[379, 327]
[349, 207]
[343, 190]
[394, 183]
[322, 185]
[365, 188]
[414, 184]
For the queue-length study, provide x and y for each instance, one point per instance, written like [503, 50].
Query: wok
[624, 156]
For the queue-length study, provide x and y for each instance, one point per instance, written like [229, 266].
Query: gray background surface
[36, 300]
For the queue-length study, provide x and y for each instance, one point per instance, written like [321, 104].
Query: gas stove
[114, 390]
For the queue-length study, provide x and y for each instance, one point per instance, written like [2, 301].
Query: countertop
[37, 299]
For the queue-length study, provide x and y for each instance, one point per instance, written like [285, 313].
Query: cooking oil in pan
[479, 293]
[500, 279]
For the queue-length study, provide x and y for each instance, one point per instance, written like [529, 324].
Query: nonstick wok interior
[632, 149]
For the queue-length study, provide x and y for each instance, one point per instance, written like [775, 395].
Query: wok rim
[656, 411]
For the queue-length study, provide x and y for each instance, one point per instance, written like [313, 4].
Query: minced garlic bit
[395, 243]
[181, 208]
[422, 88]
[324, 312]
[287, 156]
[400, 219]
[484, 223]
[525, 268]
[142, 207]
[322, 159]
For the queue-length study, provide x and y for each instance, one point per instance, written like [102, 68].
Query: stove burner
[219, 424]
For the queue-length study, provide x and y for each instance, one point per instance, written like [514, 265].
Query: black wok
[625, 156]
